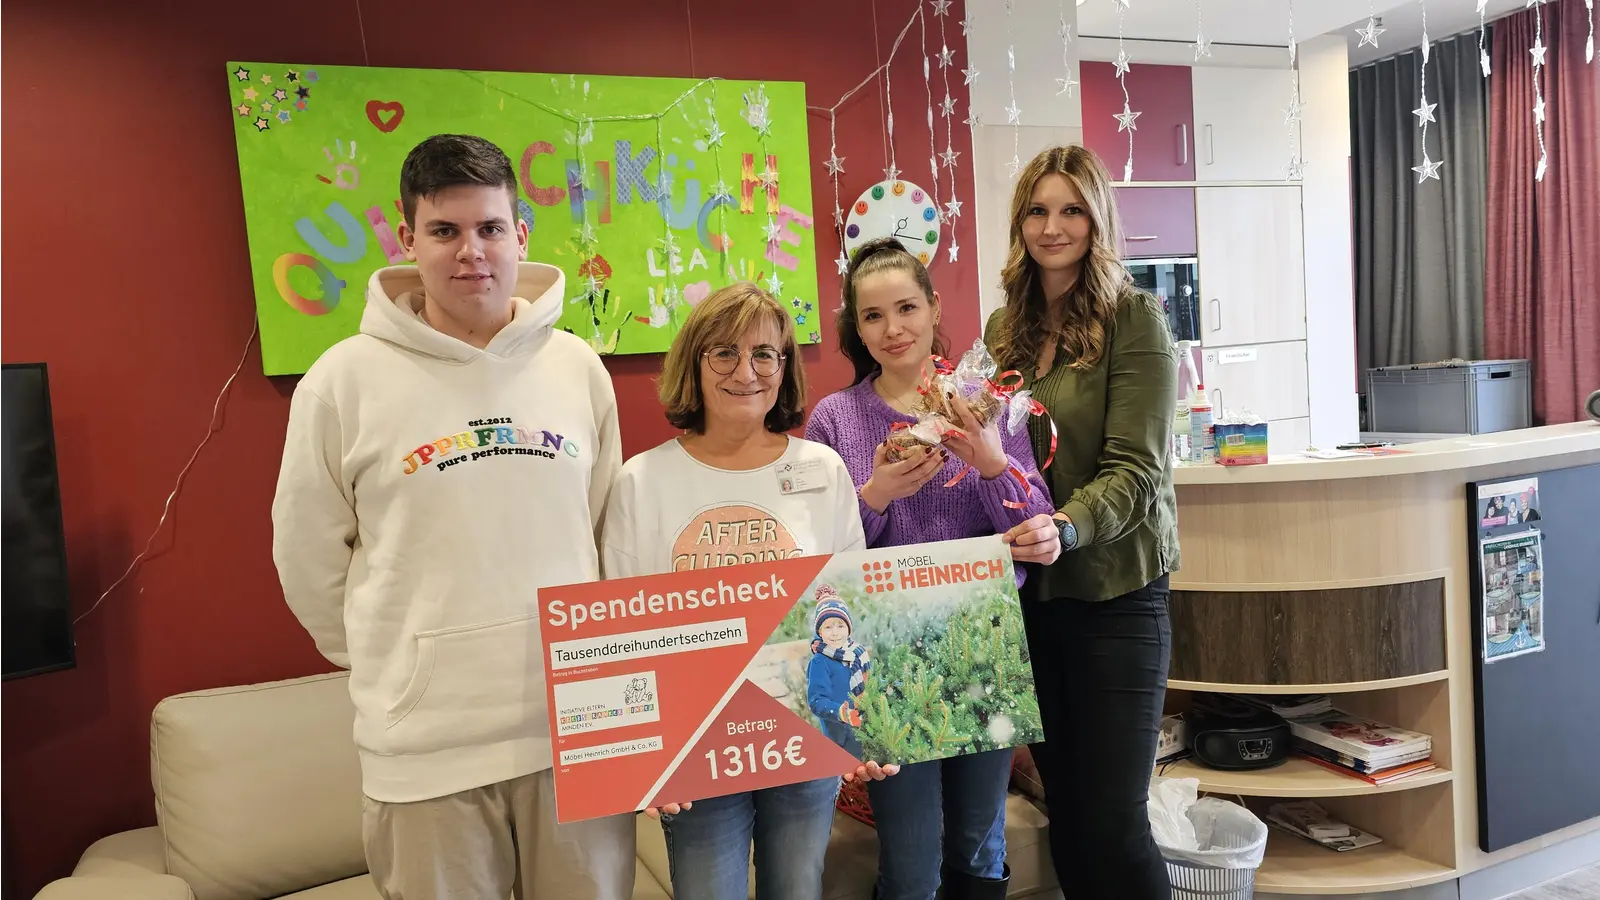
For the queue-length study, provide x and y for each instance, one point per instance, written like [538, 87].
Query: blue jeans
[942, 813]
[708, 845]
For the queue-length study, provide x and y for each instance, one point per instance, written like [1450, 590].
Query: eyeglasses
[764, 361]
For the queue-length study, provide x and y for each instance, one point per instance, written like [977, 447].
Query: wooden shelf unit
[1297, 866]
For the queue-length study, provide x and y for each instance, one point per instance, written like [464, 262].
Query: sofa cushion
[116, 887]
[258, 788]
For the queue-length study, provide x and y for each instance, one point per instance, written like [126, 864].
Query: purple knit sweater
[856, 420]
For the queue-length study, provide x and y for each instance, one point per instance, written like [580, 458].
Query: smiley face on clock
[897, 209]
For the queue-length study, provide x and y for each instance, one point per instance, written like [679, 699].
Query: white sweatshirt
[670, 512]
[428, 490]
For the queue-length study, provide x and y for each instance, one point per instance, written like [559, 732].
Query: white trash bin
[1220, 860]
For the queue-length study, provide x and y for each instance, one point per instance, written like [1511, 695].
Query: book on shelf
[1307, 819]
[1364, 740]
[1345, 761]
[1381, 777]
[1290, 706]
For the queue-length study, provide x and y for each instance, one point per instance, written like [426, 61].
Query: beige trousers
[496, 842]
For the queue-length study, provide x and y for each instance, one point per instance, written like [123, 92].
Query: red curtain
[1542, 288]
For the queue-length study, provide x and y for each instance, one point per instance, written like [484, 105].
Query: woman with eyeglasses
[733, 488]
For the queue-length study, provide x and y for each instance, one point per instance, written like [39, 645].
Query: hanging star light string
[1483, 39]
[757, 116]
[952, 207]
[835, 163]
[927, 87]
[1126, 118]
[1013, 114]
[1369, 33]
[1202, 47]
[1538, 53]
[1296, 108]
[1066, 82]
[969, 77]
[1424, 111]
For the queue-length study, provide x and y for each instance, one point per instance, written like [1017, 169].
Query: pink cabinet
[1157, 222]
[1163, 140]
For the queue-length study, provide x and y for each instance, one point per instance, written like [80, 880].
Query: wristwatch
[1069, 534]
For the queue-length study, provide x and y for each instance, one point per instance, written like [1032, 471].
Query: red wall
[119, 163]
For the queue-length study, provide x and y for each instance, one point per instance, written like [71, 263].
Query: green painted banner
[649, 192]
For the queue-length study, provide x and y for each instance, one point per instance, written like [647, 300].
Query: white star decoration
[948, 106]
[669, 244]
[1293, 112]
[1126, 118]
[1202, 47]
[953, 250]
[768, 177]
[946, 57]
[966, 25]
[842, 263]
[586, 234]
[1067, 84]
[1538, 50]
[1428, 169]
[1424, 113]
[834, 165]
[971, 75]
[941, 7]
[949, 157]
[1369, 34]
[952, 208]
[591, 286]
[1297, 168]
[1122, 62]
[891, 173]
[973, 119]
[1065, 31]
[774, 286]
[714, 136]
[719, 191]
[1014, 166]
[772, 230]
[1013, 114]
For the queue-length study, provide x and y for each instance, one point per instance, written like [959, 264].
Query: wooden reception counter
[1353, 577]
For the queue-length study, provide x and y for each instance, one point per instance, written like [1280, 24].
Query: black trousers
[1101, 674]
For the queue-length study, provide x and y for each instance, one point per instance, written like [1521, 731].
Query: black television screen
[35, 610]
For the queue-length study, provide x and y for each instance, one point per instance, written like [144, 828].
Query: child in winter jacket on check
[837, 674]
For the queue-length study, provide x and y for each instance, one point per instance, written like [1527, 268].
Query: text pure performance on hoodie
[485, 438]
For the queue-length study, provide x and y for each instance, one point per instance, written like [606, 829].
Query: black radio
[1232, 735]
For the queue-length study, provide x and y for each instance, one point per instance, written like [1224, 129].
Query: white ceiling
[1266, 22]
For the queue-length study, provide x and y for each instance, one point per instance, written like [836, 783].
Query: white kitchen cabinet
[1240, 132]
[1252, 265]
[1269, 380]
[1287, 437]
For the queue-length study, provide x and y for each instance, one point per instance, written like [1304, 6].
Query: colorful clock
[897, 209]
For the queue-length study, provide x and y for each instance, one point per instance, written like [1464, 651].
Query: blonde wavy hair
[1091, 303]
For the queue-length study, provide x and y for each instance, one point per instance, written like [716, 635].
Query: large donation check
[695, 684]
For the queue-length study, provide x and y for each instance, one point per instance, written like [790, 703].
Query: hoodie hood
[394, 314]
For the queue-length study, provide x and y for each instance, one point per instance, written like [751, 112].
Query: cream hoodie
[428, 490]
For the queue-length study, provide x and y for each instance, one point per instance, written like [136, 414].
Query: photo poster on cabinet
[1508, 503]
[1513, 595]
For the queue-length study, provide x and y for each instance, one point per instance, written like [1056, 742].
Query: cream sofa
[258, 795]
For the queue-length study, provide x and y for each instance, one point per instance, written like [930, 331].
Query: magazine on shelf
[1344, 760]
[1307, 819]
[1364, 739]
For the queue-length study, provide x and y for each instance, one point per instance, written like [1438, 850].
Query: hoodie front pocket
[471, 684]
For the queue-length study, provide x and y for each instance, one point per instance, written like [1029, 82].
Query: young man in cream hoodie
[440, 467]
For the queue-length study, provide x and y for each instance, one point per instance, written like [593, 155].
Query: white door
[1252, 265]
[1239, 124]
[1268, 380]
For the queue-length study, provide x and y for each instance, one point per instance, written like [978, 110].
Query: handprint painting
[907, 658]
[650, 193]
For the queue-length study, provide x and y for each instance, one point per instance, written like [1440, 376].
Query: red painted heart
[376, 109]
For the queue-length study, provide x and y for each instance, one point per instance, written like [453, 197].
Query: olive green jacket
[1112, 474]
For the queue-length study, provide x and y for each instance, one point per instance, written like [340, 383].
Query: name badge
[795, 477]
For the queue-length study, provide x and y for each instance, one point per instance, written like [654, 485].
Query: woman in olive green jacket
[1097, 353]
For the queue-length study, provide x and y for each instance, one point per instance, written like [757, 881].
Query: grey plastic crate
[1463, 397]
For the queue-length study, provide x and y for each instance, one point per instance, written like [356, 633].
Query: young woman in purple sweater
[941, 821]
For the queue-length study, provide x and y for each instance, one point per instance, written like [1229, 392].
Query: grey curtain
[1419, 247]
